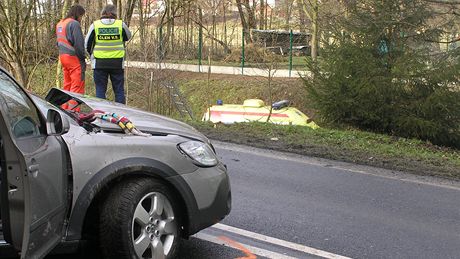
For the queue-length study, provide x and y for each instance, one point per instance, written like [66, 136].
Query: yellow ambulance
[256, 110]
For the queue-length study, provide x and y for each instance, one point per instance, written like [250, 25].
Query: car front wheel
[139, 220]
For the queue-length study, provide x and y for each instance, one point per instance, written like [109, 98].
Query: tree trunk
[302, 16]
[59, 66]
[20, 72]
[208, 34]
[130, 9]
[170, 26]
[214, 32]
[200, 33]
[48, 18]
[314, 36]
[224, 11]
[262, 15]
[251, 14]
[142, 27]
[244, 22]
[187, 26]
[161, 35]
[173, 34]
[288, 14]
[120, 9]
[266, 15]
[271, 19]
[313, 16]
[35, 29]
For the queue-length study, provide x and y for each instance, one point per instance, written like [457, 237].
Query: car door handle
[13, 189]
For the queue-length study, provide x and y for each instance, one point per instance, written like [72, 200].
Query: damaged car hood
[144, 121]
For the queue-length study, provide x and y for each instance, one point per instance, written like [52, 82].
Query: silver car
[65, 181]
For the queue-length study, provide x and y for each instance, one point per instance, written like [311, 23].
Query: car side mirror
[56, 123]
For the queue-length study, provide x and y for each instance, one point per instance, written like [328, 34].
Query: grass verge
[354, 146]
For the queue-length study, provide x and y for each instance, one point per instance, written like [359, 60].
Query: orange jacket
[70, 39]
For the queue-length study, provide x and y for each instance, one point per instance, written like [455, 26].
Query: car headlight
[201, 153]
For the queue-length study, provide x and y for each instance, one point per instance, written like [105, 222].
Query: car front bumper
[210, 198]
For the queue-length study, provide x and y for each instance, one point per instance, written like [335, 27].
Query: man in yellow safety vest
[105, 42]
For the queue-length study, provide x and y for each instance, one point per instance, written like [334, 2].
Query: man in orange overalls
[70, 42]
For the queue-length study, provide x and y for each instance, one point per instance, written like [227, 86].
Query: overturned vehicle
[255, 110]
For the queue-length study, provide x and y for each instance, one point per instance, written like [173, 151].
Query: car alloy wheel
[139, 219]
[154, 228]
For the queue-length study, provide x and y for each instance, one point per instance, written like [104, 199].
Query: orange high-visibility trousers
[74, 77]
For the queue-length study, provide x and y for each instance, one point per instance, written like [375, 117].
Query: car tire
[140, 219]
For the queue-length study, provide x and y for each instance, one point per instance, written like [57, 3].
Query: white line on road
[279, 242]
[254, 250]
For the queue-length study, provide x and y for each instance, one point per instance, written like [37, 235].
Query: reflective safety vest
[109, 40]
[61, 34]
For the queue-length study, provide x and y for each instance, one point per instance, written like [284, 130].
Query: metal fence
[287, 50]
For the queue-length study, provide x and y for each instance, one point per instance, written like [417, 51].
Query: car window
[20, 113]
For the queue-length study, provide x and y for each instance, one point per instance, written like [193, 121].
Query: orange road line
[240, 247]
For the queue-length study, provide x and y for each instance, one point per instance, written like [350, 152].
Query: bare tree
[247, 17]
[262, 15]
[15, 30]
[311, 9]
[302, 16]
[210, 34]
[130, 5]
[59, 66]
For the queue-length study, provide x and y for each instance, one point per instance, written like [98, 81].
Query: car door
[34, 174]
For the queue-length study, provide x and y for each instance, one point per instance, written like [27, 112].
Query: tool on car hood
[124, 123]
[154, 124]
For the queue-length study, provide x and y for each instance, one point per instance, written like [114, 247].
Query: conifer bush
[381, 70]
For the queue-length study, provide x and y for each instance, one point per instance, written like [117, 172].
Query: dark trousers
[117, 77]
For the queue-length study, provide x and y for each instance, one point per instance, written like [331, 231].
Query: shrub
[385, 77]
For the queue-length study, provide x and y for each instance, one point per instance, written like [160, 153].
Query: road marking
[240, 247]
[253, 249]
[387, 174]
[279, 242]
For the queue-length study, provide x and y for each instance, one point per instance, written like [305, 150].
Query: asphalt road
[347, 210]
[289, 206]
